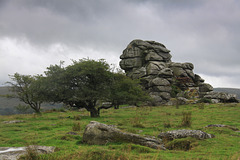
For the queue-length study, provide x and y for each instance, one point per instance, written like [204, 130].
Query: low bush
[204, 100]
[181, 144]
[186, 119]
[76, 127]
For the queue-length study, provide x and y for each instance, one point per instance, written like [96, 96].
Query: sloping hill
[7, 105]
[229, 90]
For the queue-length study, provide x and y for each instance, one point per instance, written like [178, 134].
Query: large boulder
[205, 87]
[222, 126]
[100, 134]
[13, 153]
[222, 97]
[184, 133]
[131, 63]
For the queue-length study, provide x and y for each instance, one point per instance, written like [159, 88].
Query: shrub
[31, 154]
[201, 105]
[186, 119]
[204, 100]
[167, 124]
[76, 127]
[181, 144]
[78, 117]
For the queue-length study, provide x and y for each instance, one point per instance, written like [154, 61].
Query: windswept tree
[80, 85]
[85, 82]
[28, 89]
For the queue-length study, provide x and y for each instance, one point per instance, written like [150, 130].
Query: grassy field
[50, 129]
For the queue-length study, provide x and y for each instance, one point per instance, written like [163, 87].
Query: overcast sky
[37, 33]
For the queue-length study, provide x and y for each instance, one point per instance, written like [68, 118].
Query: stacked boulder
[151, 62]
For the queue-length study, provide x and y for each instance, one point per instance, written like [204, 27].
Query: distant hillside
[229, 90]
[7, 105]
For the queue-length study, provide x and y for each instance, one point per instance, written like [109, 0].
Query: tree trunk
[36, 108]
[94, 113]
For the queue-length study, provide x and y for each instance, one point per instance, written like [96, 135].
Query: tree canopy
[81, 84]
[28, 89]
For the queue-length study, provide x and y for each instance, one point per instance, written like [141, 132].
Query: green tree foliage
[80, 85]
[28, 89]
[125, 90]
[85, 82]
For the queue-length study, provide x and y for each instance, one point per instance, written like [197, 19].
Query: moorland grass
[51, 128]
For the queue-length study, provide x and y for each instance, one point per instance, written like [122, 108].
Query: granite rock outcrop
[163, 79]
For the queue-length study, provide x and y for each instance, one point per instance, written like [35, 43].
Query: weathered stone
[174, 64]
[166, 56]
[14, 121]
[153, 68]
[150, 60]
[198, 79]
[222, 125]
[223, 97]
[100, 134]
[183, 133]
[72, 133]
[131, 63]
[158, 46]
[188, 66]
[13, 153]
[165, 95]
[165, 73]
[132, 53]
[162, 88]
[215, 100]
[153, 56]
[179, 72]
[159, 82]
[137, 73]
[157, 99]
[190, 73]
[205, 87]
[182, 100]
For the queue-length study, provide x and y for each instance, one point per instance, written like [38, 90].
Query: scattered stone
[72, 133]
[184, 133]
[14, 121]
[13, 153]
[222, 125]
[222, 97]
[100, 134]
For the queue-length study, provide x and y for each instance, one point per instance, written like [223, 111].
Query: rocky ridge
[163, 79]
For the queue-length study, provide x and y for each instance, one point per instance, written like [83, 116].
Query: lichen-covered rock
[222, 97]
[99, 134]
[184, 133]
[13, 153]
[153, 68]
[222, 125]
[131, 63]
[14, 121]
[159, 82]
[165, 73]
[151, 62]
[137, 73]
[205, 87]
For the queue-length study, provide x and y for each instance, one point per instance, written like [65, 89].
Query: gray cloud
[202, 32]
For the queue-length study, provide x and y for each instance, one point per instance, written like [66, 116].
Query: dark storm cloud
[204, 32]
